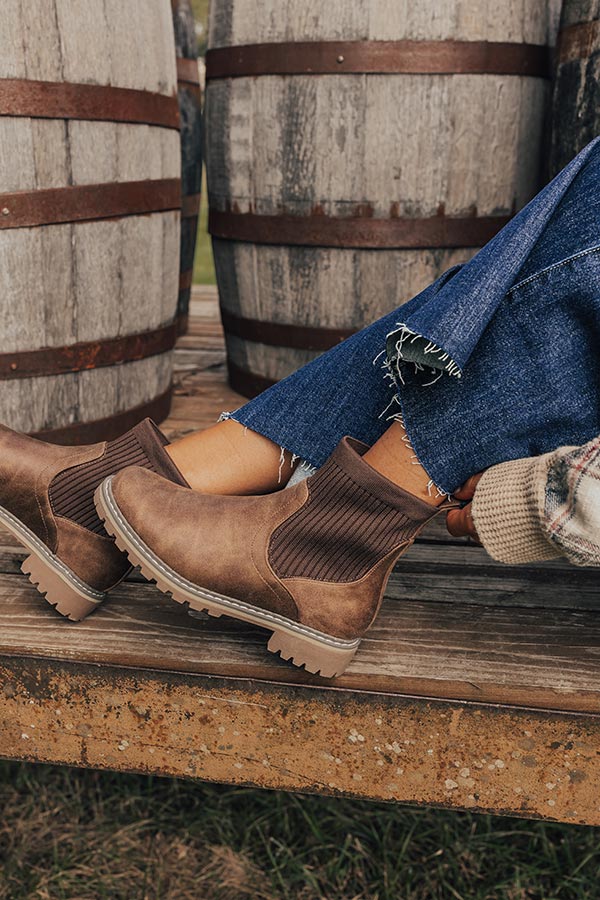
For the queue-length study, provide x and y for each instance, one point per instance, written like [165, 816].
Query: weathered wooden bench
[478, 687]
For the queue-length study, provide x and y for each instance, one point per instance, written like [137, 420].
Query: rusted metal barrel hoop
[358, 228]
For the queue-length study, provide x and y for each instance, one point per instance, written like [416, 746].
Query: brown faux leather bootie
[46, 501]
[309, 563]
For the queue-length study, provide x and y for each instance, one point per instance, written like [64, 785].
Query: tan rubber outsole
[318, 653]
[59, 586]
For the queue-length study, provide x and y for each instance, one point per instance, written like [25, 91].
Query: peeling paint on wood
[466, 756]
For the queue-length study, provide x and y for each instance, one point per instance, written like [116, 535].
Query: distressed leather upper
[28, 468]
[252, 548]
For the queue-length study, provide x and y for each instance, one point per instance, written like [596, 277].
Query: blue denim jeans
[496, 360]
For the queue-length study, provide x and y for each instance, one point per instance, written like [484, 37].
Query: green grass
[81, 835]
[204, 269]
[200, 10]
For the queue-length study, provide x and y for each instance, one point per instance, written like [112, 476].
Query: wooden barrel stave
[126, 272]
[575, 118]
[190, 113]
[234, 23]
[268, 164]
[69, 393]
[88, 281]
[296, 279]
[306, 146]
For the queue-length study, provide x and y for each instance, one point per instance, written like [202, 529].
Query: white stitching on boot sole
[268, 620]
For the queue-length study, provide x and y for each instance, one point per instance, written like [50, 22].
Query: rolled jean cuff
[507, 508]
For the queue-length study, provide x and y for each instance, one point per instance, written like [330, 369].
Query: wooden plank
[201, 293]
[196, 359]
[199, 398]
[447, 650]
[450, 573]
[469, 691]
[209, 335]
[473, 756]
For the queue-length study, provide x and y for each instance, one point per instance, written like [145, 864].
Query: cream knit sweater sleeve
[542, 507]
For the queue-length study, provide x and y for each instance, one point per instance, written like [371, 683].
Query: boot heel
[59, 593]
[316, 656]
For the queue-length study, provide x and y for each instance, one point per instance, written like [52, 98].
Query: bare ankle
[393, 456]
[229, 458]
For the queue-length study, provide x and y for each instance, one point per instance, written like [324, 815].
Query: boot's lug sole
[59, 585]
[319, 653]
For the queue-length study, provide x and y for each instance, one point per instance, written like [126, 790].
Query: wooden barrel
[190, 109]
[90, 202]
[355, 155]
[575, 118]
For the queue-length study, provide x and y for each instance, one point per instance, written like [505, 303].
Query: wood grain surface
[478, 686]
[62, 284]
[338, 742]
[365, 146]
[575, 116]
[454, 623]
[190, 114]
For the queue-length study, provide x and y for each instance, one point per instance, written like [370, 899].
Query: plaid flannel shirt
[542, 507]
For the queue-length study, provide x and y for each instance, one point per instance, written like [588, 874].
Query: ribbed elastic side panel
[340, 533]
[72, 491]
